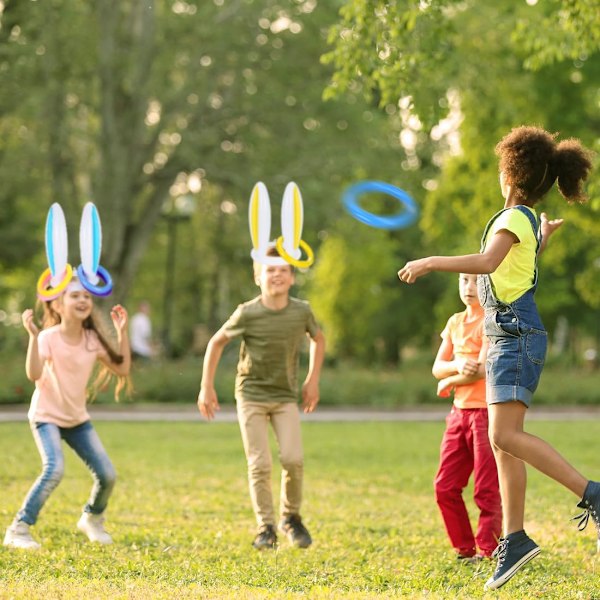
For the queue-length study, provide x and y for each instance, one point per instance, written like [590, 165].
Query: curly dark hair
[532, 160]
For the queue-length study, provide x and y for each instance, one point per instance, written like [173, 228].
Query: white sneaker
[18, 536]
[93, 526]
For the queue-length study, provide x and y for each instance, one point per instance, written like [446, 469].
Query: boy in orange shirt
[465, 449]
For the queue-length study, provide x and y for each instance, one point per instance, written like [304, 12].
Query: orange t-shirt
[466, 339]
[60, 393]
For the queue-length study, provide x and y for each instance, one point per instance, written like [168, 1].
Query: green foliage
[421, 49]
[345, 383]
[182, 522]
[127, 103]
[568, 29]
[349, 286]
[393, 50]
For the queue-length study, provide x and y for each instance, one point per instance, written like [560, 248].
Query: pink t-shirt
[60, 393]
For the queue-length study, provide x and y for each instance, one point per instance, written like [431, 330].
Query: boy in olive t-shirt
[273, 328]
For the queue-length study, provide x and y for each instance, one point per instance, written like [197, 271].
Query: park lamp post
[175, 211]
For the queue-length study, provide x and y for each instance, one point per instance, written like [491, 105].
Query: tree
[409, 48]
[130, 104]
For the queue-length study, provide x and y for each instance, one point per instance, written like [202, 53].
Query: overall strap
[534, 224]
[487, 228]
[537, 232]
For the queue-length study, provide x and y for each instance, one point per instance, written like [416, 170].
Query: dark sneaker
[513, 551]
[266, 538]
[295, 531]
[591, 508]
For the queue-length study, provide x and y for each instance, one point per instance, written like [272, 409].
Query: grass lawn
[182, 522]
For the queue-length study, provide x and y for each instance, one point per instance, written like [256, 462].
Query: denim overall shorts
[516, 334]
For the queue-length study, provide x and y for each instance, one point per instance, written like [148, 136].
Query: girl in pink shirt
[60, 360]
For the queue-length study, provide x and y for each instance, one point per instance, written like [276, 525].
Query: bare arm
[467, 372]
[444, 365]
[33, 363]
[208, 402]
[484, 263]
[120, 319]
[310, 388]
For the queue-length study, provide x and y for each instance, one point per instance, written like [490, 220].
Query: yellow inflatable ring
[301, 264]
[44, 292]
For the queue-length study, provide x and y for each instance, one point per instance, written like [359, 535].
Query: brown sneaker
[295, 531]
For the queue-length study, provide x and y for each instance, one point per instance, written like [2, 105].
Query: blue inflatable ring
[397, 221]
[105, 290]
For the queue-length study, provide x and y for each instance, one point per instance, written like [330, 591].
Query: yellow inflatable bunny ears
[290, 244]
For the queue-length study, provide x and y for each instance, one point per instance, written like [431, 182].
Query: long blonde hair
[104, 375]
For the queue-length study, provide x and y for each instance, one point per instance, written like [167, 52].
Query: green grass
[182, 522]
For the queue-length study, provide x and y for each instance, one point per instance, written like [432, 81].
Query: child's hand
[310, 396]
[547, 226]
[444, 388]
[29, 323]
[119, 318]
[467, 366]
[414, 269]
[208, 403]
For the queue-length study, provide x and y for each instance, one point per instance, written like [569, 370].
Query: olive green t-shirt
[267, 369]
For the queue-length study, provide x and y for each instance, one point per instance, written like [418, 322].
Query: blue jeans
[517, 351]
[87, 445]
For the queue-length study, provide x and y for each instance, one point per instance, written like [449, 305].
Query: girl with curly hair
[531, 162]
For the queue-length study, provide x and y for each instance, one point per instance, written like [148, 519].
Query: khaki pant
[254, 420]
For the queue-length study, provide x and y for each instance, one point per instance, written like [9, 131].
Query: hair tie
[539, 185]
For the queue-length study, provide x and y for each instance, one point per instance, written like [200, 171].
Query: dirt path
[162, 412]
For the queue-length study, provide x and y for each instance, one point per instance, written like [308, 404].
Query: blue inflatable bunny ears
[91, 274]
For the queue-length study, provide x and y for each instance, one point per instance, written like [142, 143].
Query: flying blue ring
[397, 221]
[105, 290]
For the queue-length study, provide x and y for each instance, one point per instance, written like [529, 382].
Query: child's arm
[208, 402]
[119, 317]
[486, 262]
[444, 365]
[310, 388]
[33, 363]
[472, 371]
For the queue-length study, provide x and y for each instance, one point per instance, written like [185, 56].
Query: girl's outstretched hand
[29, 323]
[414, 269]
[549, 226]
[119, 317]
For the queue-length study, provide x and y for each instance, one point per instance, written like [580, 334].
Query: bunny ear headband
[290, 244]
[55, 279]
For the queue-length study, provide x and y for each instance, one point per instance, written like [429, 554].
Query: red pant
[466, 449]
